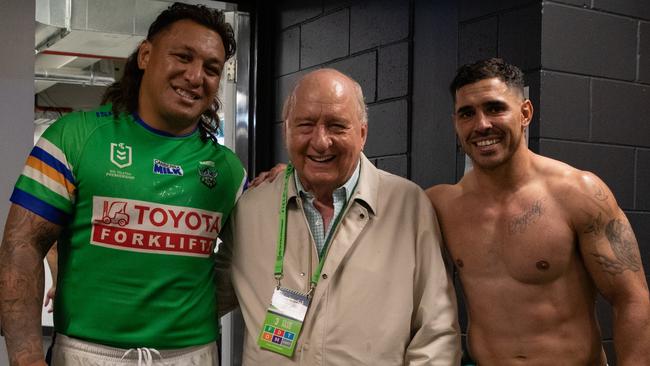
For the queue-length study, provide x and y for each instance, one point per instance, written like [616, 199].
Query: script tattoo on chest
[519, 224]
[624, 245]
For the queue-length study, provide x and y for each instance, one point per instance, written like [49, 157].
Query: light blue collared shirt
[340, 197]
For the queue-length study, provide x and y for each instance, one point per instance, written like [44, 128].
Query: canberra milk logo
[121, 155]
[150, 227]
[160, 167]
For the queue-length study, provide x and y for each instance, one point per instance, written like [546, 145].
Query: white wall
[16, 100]
[16, 93]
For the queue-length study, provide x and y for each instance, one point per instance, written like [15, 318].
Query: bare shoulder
[440, 194]
[564, 178]
[581, 193]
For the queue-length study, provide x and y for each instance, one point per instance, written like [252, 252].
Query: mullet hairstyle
[124, 94]
[489, 68]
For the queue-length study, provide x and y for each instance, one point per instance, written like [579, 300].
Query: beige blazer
[384, 297]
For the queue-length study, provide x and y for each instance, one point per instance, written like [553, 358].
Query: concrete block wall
[368, 40]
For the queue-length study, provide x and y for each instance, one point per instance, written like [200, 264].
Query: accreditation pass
[283, 321]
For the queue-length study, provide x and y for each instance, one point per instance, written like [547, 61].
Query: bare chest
[526, 238]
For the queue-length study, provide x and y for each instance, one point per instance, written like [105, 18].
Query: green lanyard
[282, 236]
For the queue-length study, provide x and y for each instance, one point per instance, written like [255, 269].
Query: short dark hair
[125, 92]
[487, 69]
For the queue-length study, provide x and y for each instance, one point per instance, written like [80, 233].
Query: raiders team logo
[208, 173]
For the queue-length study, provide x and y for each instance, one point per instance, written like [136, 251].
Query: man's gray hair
[290, 102]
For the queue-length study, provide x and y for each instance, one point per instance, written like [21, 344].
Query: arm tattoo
[624, 245]
[26, 239]
[596, 225]
[600, 195]
[518, 224]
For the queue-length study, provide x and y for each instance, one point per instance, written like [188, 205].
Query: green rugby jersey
[141, 211]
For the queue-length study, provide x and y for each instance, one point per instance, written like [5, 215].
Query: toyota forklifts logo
[150, 227]
[115, 213]
[121, 155]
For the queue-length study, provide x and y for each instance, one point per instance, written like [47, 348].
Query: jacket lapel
[355, 220]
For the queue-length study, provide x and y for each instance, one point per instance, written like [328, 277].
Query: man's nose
[482, 122]
[321, 139]
[194, 73]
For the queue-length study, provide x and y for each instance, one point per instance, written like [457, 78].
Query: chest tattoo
[519, 224]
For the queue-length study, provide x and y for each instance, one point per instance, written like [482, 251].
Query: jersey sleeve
[47, 184]
[238, 180]
[242, 186]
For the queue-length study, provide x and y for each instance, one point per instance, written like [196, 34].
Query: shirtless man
[534, 240]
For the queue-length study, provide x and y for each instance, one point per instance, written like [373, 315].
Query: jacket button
[324, 276]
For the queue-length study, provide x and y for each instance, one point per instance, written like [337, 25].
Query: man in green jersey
[135, 193]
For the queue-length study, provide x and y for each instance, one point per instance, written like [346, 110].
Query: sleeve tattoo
[621, 240]
[619, 235]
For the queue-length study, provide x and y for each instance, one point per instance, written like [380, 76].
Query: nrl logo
[208, 173]
[120, 155]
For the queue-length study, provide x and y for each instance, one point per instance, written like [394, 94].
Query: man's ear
[526, 112]
[364, 134]
[285, 133]
[144, 51]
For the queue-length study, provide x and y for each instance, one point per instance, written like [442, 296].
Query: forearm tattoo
[24, 245]
[623, 243]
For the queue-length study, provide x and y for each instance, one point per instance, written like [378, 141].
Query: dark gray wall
[368, 40]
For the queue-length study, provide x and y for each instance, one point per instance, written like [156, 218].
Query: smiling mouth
[484, 143]
[187, 94]
[321, 159]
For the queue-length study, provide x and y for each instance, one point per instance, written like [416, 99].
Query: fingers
[268, 176]
[49, 299]
[277, 170]
[259, 179]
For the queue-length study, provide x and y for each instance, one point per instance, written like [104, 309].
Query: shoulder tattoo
[595, 225]
[600, 195]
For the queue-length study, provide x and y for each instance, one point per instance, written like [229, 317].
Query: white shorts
[74, 352]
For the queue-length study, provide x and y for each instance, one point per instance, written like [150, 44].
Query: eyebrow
[495, 103]
[464, 108]
[212, 60]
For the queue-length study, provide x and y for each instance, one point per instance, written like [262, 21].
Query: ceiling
[85, 42]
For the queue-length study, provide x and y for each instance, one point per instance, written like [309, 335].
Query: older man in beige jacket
[361, 245]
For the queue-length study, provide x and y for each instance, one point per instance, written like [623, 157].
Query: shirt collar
[141, 122]
[347, 186]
